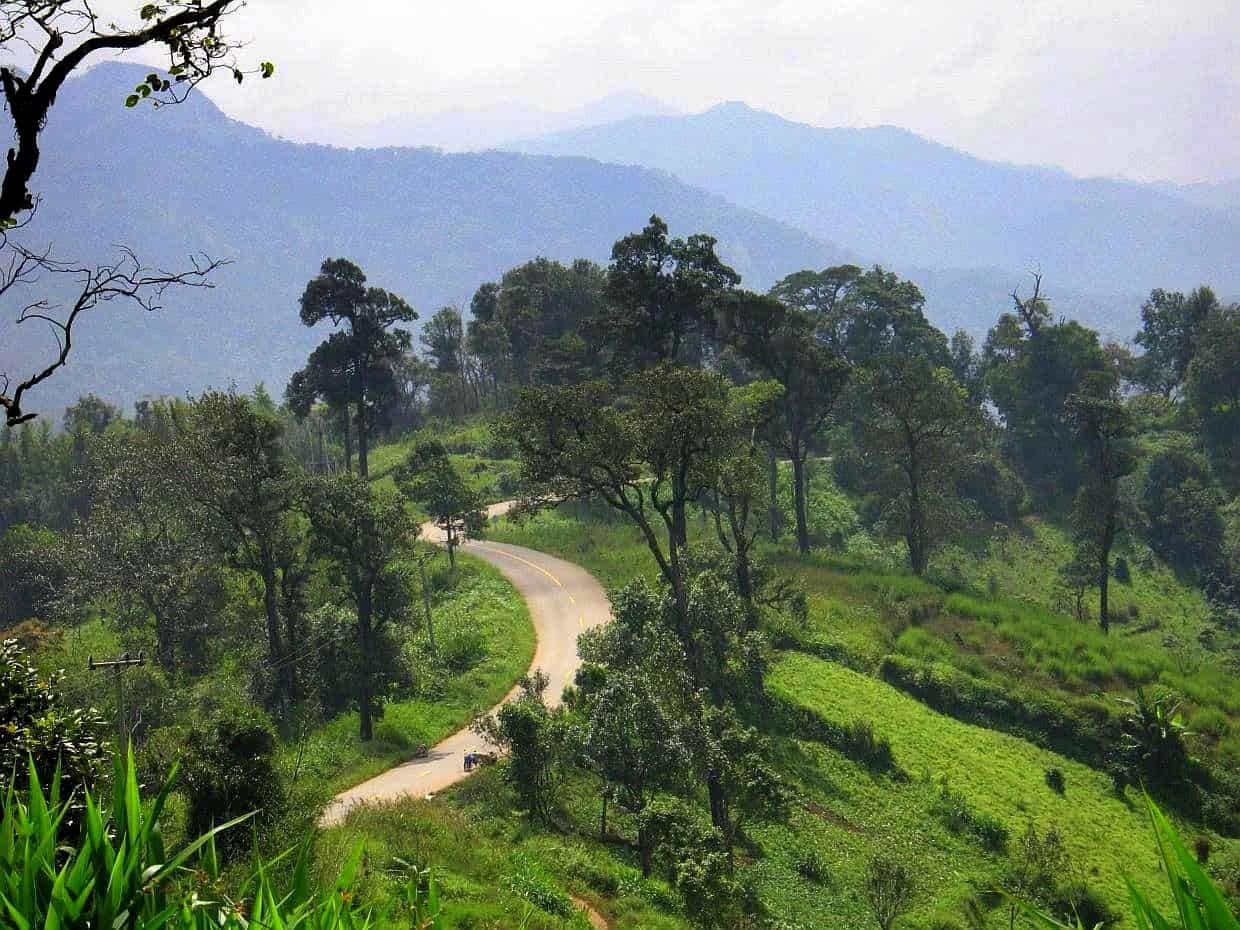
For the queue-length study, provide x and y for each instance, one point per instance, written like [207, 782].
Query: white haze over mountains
[1143, 89]
[499, 124]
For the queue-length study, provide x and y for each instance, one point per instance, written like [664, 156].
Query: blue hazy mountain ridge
[498, 124]
[893, 196]
[427, 225]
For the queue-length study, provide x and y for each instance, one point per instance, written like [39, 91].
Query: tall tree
[232, 469]
[917, 419]
[44, 44]
[362, 531]
[1031, 367]
[365, 352]
[1171, 329]
[661, 297]
[454, 388]
[1105, 432]
[1212, 389]
[780, 342]
[142, 548]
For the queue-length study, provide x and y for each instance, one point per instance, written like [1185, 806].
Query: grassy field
[494, 870]
[1005, 633]
[999, 775]
[866, 609]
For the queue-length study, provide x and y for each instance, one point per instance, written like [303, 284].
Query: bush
[228, 769]
[40, 729]
[528, 882]
[954, 810]
[809, 865]
[1055, 780]
[461, 650]
[114, 871]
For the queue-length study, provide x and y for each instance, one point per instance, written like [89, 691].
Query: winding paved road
[563, 600]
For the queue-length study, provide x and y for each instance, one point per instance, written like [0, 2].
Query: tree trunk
[772, 480]
[916, 525]
[365, 711]
[798, 497]
[602, 827]
[644, 852]
[275, 636]
[347, 432]
[426, 606]
[1104, 579]
[719, 813]
[363, 441]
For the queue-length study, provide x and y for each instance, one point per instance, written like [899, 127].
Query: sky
[1124, 88]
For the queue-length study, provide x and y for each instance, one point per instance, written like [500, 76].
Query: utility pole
[126, 661]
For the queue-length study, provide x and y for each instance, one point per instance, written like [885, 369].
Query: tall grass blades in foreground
[1198, 903]
[112, 873]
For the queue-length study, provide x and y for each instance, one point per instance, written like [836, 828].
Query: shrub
[228, 769]
[809, 865]
[528, 882]
[887, 889]
[461, 650]
[1055, 780]
[114, 871]
[954, 810]
[1198, 902]
[41, 730]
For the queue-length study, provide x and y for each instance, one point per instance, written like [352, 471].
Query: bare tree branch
[126, 278]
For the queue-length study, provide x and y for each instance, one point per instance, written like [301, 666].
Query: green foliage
[40, 728]
[228, 764]
[539, 744]
[1182, 505]
[958, 815]
[29, 573]
[1152, 742]
[1032, 367]
[115, 871]
[430, 479]
[1198, 903]
[1212, 392]
[888, 889]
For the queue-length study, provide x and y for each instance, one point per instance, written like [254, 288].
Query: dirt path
[563, 599]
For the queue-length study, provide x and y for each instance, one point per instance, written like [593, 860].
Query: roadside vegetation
[900, 624]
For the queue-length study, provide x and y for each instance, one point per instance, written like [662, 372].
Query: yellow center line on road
[518, 558]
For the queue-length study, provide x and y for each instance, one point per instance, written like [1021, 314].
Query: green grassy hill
[1005, 637]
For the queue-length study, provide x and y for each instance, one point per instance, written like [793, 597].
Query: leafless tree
[43, 43]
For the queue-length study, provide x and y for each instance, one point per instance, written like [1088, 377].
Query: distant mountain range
[427, 225]
[468, 130]
[432, 226]
[895, 197]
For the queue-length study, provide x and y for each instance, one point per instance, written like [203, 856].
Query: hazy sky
[1142, 89]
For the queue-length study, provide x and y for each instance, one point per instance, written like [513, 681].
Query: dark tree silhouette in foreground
[45, 42]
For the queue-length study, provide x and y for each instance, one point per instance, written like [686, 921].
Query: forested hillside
[685, 576]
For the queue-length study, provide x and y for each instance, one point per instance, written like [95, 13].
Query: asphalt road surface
[563, 600]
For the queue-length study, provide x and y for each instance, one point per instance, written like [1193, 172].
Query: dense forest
[262, 555]
[654, 599]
